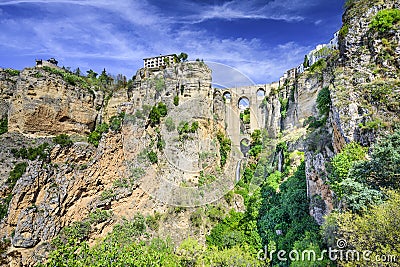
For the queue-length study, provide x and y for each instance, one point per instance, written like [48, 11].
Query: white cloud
[90, 31]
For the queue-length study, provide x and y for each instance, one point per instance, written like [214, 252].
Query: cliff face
[43, 104]
[363, 81]
[73, 182]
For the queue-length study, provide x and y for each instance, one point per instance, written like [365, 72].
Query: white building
[157, 62]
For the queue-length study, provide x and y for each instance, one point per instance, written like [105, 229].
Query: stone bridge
[236, 100]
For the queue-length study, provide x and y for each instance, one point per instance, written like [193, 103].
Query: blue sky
[257, 38]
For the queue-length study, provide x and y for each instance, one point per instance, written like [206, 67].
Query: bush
[318, 66]
[12, 72]
[162, 108]
[5, 202]
[160, 84]
[324, 101]
[16, 173]
[3, 125]
[224, 147]
[385, 20]
[342, 163]
[176, 100]
[63, 140]
[156, 113]
[116, 122]
[95, 136]
[32, 153]
[152, 156]
[344, 31]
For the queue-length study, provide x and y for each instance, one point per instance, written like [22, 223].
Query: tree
[383, 169]
[306, 62]
[342, 163]
[176, 100]
[77, 72]
[183, 56]
[154, 116]
[377, 230]
[91, 74]
[324, 101]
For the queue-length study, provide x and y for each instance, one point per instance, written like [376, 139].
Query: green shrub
[5, 202]
[160, 144]
[284, 106]
[344, 31]
[116, 121]
[63, 140]
[16, 173]
[137, 172]
[156, 113]
[40, 152]
[159, 84]
[3, 125]
[206, 178]
[318, 66]
[176, 100]
[152, 156]
[385, 20]
[53, 70]
[99, 216]
[95, 136]
[224, 147]
[324, 101]
[196, 218]
[162, 108]
[107, 194]
[341, 164]
[153, 222]
[12, 72]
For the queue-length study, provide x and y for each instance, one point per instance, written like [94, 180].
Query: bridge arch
[227, 96]
[260, 93]
[243, 103]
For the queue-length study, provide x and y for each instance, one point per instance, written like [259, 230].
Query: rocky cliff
[170, 159]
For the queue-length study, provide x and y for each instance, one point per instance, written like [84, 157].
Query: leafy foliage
[384, 167]
[176, 100]
[16, 173]
[3, 125]
[12, 72]
[344, 31]
[224, 147]
[284, 215]
[95, 136]
[342, 163]
[40, 152]
[116, 122]
[63, 140]
[318, 66]
[184, 128]
[385, 20]
[324, 101]
[376, 230]
[152, 156]
[158, 111]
